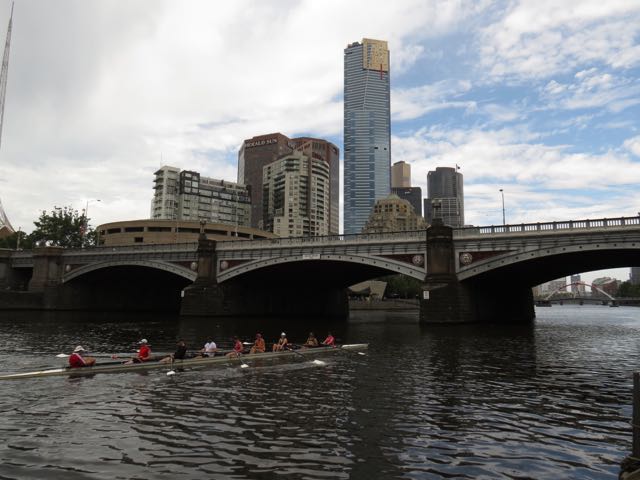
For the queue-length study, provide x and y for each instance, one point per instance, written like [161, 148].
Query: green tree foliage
[627, 289]
[402, 286]
[12, 241]
[63, 227]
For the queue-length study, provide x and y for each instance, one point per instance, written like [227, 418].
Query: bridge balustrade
[547, 226]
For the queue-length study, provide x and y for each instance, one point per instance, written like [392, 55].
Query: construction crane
[5, 225]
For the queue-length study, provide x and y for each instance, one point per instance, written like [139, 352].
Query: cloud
[633, 145]
[544, 182]
[592, 89]
[415, 102]
[538, 39]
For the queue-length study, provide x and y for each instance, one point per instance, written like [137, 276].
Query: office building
[296, 196]
[445, 197]
[259, 151]
[254, 154]
[634, 276]
[367, 130]
[401, 175]
[413, 195]
[185, 195]
[392, 214]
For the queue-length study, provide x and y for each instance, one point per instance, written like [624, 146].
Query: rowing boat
[118, 367]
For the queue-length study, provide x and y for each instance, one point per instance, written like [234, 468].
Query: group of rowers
[78, 359]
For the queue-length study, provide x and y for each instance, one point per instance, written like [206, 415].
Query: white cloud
[633, 145]
[414, 102]
[542, 182]
[543, 37]
[592, 89]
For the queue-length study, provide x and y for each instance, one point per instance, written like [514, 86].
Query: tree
[11, 241]
[627, 289]
[63, 227]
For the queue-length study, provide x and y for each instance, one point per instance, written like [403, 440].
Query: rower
[329, 341]
[281, 344]
[144, 353]
[76, 360]
[180, 353]
[210, 349]
[312, 341]
[237, 348]
[258, 345]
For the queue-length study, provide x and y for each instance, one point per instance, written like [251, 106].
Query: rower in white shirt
[210, 349]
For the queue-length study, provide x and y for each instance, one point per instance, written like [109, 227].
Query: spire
[4, 221]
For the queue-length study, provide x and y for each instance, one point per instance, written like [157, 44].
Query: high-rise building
[413, 195]
[296, 196]
[401, 175]
[367, 130]
[185, 195]
[392, 214]
[320, 149]
[634, 276]
[254, 154]
[445, 197]
[257, 152]
[577, 286]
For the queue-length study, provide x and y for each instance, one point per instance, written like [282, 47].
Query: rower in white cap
[77, 360]
[281, 344]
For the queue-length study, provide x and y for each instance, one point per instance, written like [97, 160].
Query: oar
[315, 362]
[171, 370]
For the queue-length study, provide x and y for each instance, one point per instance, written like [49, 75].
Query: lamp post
[86, 216]
[503, 219]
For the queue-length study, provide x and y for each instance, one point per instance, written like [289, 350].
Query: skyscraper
[401, 186]
[260, 151]
[445, 197]
[367, 130]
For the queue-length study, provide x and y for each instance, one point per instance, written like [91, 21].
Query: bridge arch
[183, 272]
[368, 264]
[535, 266]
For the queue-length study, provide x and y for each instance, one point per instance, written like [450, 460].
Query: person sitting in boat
[329, 341]
[179, 354]
[237, 348]
[77, 360]
[311, 342]
[259, 345]
[210, 349]
[144, 352]
[281, 344]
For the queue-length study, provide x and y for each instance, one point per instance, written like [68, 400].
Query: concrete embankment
[409, 304]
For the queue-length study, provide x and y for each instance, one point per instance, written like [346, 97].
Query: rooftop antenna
[4, 221]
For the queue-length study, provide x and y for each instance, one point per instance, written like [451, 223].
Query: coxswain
[329, 341]
[76, 360]
[258, 345]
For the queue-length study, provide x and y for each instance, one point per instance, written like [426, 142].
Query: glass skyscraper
[367, 130]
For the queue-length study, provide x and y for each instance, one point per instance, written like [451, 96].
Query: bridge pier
[447, 300]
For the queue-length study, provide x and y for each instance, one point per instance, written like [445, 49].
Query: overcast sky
[540, 98]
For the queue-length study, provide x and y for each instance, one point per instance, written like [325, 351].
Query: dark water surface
[551, 400]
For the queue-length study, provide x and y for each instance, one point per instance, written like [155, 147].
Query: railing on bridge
[417, 235]
[548, 226]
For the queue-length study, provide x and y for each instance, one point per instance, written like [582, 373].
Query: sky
[538, 98]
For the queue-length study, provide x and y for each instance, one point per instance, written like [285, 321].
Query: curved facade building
[140, 232]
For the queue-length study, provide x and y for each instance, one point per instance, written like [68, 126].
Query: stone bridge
[462, 270]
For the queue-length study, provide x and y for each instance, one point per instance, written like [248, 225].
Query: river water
[550, 400]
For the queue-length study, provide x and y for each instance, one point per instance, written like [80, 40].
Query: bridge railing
[548, 226]
[323, 240]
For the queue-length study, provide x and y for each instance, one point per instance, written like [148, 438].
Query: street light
[503, 220]
[86, 215]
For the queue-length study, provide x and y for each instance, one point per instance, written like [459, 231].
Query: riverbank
[391, 304]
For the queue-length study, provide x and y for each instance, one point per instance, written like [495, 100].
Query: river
[550, 400]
